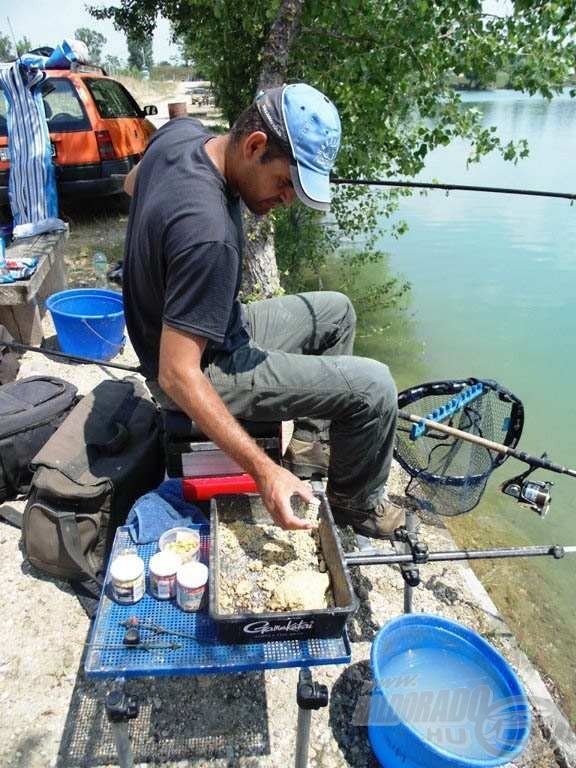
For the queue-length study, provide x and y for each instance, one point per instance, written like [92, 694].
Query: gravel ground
[51, 715]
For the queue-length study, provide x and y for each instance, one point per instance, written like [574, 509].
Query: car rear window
[64, 110]
[112, 99]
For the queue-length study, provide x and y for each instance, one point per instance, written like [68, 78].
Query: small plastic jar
[127, 579]
[184, 542]
[163, 567]
[190, 585]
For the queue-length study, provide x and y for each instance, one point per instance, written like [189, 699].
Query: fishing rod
[446, 475]
[66, 356]
[451, 187]
[537, 462]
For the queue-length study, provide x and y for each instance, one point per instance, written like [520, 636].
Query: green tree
[24, 45]
[386, 64]
[112, 64]
[93, 40]
[5, 48]
[139, 51]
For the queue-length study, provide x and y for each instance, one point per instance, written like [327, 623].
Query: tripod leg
[411, 527]
[309, 695]
[123, 746]
[120, 707]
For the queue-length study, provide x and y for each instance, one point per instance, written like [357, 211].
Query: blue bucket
[443, 697]
[89, 322]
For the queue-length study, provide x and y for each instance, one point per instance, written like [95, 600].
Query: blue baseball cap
[308, 123]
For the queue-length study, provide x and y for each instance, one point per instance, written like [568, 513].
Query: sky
[48, 22]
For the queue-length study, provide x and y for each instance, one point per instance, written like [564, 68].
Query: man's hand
[277, 486]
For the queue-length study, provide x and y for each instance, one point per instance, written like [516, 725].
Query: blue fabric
[5, 276]
[171, 491]
[21, 268]
[160, 510]
[32, 185]
[61, 57]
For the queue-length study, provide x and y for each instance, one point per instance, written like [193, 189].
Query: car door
[120, 115]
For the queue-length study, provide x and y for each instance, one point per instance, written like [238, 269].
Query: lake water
[494, 295]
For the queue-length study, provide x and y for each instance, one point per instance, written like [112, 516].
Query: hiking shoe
[377, 523]
[305, 458]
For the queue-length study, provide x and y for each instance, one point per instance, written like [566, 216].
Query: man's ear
[254, 145]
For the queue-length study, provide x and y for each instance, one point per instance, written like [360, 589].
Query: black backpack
[30, 412]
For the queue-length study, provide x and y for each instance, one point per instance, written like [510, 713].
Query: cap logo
[327, 153]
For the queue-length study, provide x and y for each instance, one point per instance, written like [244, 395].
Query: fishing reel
[535, 493]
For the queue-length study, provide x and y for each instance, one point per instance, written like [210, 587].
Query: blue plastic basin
[443, 697]
[89, 322]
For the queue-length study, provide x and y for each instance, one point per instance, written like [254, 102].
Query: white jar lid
[192, 575]
[126, 568]
[164, 563]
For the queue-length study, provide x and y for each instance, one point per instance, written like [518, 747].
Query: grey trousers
[299, 365]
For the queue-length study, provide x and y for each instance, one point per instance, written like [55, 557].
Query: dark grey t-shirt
[183, 254]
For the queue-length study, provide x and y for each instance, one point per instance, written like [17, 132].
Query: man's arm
[181, 378]
[130, 181]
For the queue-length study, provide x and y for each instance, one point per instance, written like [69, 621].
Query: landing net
[447, 474]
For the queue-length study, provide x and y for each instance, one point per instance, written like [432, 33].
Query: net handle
[444, 412]
[533, 461]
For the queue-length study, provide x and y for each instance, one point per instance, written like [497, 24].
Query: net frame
[433, 484]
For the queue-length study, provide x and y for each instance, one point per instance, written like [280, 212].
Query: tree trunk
[261, 273]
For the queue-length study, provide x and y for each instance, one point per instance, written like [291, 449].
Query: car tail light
[105, 146]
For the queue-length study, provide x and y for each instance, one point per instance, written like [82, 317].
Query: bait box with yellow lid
[181, 541]
[252, 627]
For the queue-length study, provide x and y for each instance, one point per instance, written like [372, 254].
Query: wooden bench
[22, 302]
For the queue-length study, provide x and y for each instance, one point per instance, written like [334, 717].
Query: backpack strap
[89, 585]
[87, 588]
[88, 594]
[69, 536]
[11, 516]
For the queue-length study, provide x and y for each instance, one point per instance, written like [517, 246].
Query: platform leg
[411, 527]
[123, 746]
[303, 737]
[309, 695]
[120, 707]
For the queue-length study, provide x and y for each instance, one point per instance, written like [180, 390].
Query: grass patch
[148, 91]
[94, 226]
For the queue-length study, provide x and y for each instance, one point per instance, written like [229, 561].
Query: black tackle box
[276, 625]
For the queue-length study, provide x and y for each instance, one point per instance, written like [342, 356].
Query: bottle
[100, 266]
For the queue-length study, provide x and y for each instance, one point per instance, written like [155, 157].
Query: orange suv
[98, 132]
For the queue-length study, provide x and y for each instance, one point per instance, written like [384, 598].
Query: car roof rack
[77, 67]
